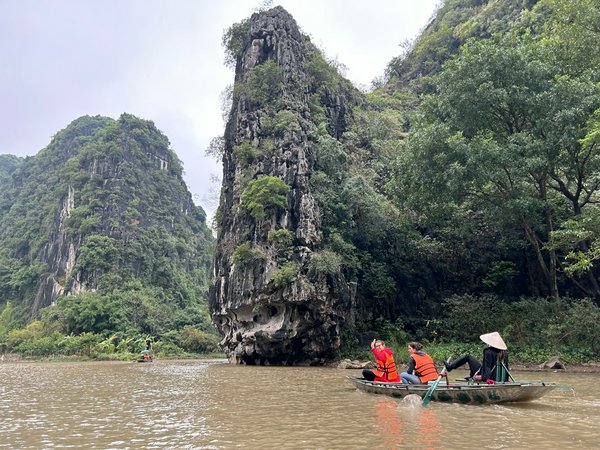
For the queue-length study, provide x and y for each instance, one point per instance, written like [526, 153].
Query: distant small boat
[475, 393]
[145, 357]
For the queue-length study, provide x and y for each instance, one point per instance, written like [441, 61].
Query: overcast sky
[162, 60]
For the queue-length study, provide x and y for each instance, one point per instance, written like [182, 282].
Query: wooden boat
[145, 357]
[475, 393]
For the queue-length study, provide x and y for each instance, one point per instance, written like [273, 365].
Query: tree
[570, 29]
[263, 195]
[89, 312]
[233, 40]
[504, 133]
[262, 86]
[6, 320]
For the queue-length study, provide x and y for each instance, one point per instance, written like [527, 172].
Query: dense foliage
[471, 172]
[460, 195]
[102, 215]
[8, 164]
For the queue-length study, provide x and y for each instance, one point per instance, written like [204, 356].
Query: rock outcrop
[269, 302]
[553, 363]
[103, 204]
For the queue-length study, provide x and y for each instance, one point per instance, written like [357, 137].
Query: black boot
[368, 375]
[448, 365]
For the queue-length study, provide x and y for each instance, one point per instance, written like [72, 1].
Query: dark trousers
[474, 365]
[368, 374]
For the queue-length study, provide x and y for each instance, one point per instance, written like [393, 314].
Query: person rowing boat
[494, 367]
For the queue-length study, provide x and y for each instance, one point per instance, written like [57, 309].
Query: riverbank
[591, 367]
[115, 357]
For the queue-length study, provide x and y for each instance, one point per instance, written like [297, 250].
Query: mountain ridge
[101, 206]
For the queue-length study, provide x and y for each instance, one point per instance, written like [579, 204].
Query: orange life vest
[424, 367]
[387, 369]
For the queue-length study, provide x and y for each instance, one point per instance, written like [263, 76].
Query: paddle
[508, 372]
[427, 397]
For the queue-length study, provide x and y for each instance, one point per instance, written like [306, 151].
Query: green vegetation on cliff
[98, 234]
[464, 188]
[458, 197]
[475, 173]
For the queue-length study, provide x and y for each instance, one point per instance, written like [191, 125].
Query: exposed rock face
[107, 192]
[356, 364]
[270, 306]
[553, 363]
[61, 251]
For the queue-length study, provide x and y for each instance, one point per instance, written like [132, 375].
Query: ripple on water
[192, 404]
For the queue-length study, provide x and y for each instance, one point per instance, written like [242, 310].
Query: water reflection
[429, 429]
[406, 424]
[390, 424]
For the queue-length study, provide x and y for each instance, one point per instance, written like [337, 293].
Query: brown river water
[215, 405]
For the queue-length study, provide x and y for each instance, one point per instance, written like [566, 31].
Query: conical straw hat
[494, 340]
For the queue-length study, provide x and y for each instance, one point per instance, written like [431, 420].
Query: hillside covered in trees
[458, 196]
[99, 238]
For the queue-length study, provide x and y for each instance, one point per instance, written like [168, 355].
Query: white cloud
[163, 61]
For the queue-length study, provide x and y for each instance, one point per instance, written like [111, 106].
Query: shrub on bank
[194, 340]
[31, 342]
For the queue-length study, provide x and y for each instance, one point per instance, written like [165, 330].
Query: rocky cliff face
[268, 300]
[103, 205]
[137, 161]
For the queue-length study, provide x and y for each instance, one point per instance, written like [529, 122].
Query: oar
[507, 371]
[427, 397]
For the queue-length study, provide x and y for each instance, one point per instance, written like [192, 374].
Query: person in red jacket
[421, 368]
[386, 367]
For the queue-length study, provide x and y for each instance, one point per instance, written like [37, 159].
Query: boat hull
[478, 394]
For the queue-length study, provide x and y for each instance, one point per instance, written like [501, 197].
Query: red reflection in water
[389, 423]
[403, 424]
[429, 429]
